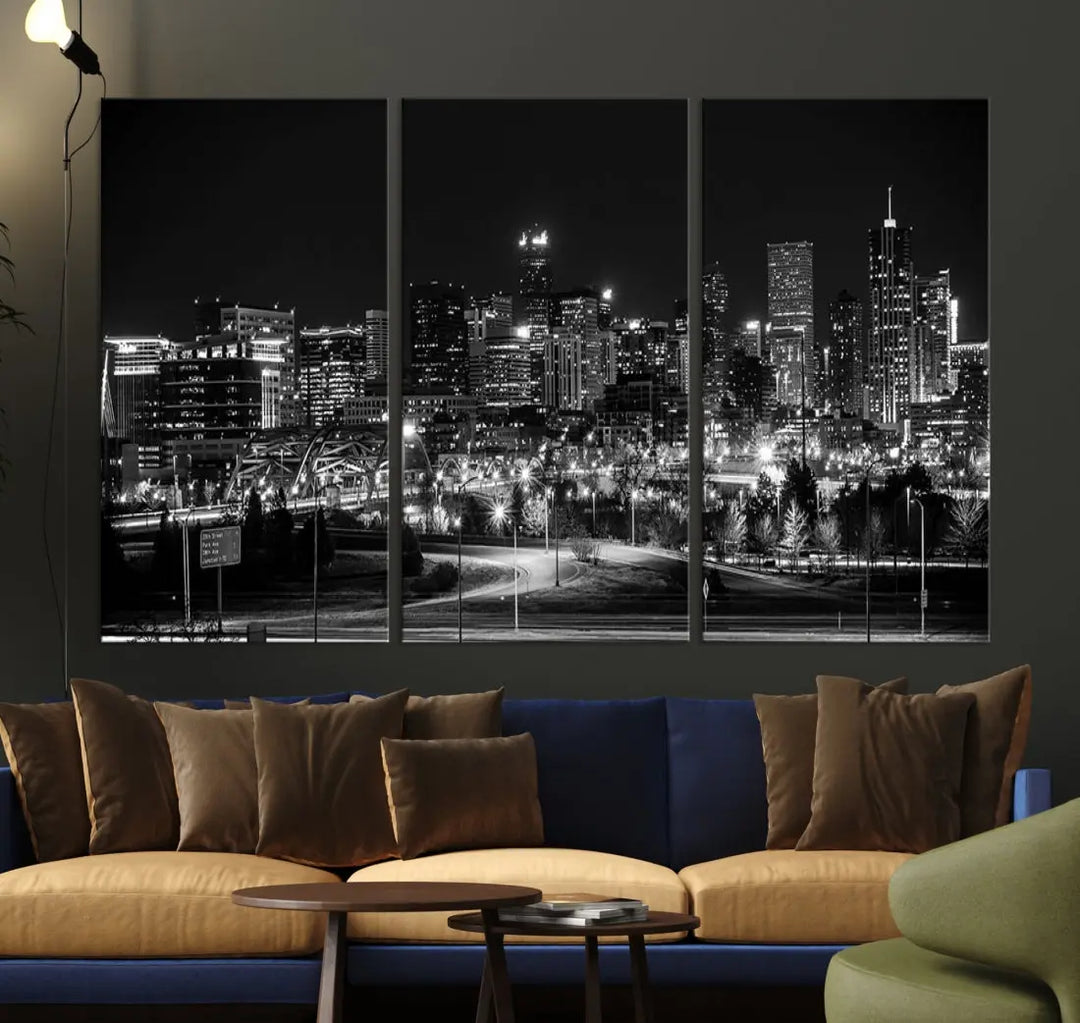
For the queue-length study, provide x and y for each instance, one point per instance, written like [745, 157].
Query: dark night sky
[606, 178]
[820, 170]
[255, 201]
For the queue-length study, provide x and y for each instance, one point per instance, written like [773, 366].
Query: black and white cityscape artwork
[545, 370]
[244, 364]
[846, 343]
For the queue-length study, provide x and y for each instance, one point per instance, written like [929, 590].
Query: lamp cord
[60, 362]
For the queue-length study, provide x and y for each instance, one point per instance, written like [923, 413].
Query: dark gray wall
[1019, 55]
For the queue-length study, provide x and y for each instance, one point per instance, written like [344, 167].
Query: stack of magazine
[579, 909]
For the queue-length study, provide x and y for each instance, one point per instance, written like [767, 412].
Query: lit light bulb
[45, 23]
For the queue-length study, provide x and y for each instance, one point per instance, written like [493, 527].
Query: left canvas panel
[244, 326]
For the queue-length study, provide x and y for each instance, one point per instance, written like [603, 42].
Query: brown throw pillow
[322, 797]
[127, 770]
[41, 741]
[788, 729]
[217, 783]
[462, 793]
[887, 768]
[457, 716]
[994, 747]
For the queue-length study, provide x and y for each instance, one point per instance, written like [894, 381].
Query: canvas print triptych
[550, 357]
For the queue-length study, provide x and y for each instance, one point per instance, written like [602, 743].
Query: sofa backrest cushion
[216, 704]
[716, 772]
[603, 772]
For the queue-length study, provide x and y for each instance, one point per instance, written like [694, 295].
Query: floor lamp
[46, 23]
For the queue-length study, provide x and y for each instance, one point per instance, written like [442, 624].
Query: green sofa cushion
[896, 981]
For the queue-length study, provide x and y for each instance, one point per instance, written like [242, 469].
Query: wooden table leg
[592, 980]
[639, 974]
[485, 1002]
[332, 979]
[500, 978]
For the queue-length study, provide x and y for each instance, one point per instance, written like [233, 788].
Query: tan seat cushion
[149, 904]
[553, 871]
[785, 896]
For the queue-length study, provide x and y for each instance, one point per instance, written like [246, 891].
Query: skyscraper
[331, 371]
[579, 313]
[563, 369]
[486, 320]
[376, 344]
[508, 369]
[842, 355]
[534, 296]
[132, 388]
[714, 306]
[933, 334]
[259, 323]
[890, 342]
[791, 305]
[750, 337]
[440, 353]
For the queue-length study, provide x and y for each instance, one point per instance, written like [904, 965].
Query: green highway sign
[219, 547]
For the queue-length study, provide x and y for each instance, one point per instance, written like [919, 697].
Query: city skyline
[567, 165]
[933, 153]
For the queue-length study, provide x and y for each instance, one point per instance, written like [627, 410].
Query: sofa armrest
[1031, 792]
[1007, 898]
[15, 847]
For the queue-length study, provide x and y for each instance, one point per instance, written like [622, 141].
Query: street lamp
[315, 566]
[922, 564]
[498, 515]
[457, 522]
[633, 524]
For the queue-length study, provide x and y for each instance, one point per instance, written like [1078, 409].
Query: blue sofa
[667, 780]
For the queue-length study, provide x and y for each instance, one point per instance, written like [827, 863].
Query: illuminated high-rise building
[749, 339]
[253, 323]
[842, 356]
[934, 335]
[605, 313]
[790, 268]
[508, 360]
[788, 360]
[440, 353]
[890, 343]
[217, 391]
[376, 344]
[332, 370]
[564, 369]
[714, 308]
[486, 320]
[534, 298]
[578, 312]
[131, 393]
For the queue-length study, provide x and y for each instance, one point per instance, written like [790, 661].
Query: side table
[337, 900]
[495, 979]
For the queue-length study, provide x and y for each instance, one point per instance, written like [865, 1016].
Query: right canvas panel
[845, 370]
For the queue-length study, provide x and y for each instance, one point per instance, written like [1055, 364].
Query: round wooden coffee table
[337, 900]
[495, 985]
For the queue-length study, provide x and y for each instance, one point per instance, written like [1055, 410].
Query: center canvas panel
[245, 328]
[545, 370]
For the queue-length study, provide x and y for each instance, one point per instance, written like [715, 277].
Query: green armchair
[991, 929]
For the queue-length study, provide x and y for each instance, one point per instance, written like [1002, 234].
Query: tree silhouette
[799, 485]
[796, 531]
[829, 538]
[968, 536]
[763, 536]
[733, 531]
